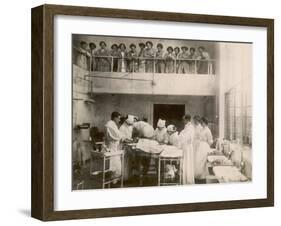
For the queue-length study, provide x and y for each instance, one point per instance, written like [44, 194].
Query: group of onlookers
[145, 59]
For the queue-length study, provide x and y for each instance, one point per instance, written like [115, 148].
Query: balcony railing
[146, 65]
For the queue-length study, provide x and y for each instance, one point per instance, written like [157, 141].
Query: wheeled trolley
[170, 167]
[106, 175]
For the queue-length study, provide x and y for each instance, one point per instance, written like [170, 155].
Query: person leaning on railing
[177, 53]
[160, 62]
[93, 63]
[114, 54]
[203, 62]
[191, 62]
[149, 53]
[103, 58]
[122, 58]
[170, 60]
[141, 61]
[183, 61]
[146, 60]
[82, 55]
[133, 58]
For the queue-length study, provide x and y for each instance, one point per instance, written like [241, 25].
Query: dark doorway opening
[172, 113]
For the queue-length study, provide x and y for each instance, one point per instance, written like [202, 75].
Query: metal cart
[175, 159]
[107, 176]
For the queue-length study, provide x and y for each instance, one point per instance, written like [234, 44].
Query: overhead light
[76, 98]
[89, 101]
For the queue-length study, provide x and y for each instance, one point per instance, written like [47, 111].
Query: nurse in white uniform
[206, 139]
[186, 143]
[160, 133]
[173, 136]
[127, 130]
[196, 142]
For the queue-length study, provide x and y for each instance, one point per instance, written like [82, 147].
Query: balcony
[131, 80]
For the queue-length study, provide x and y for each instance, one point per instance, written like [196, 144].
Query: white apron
[196, 140]
[201, 154]
[112, 141]
[127, 131]
[186, 143]
[196, 143]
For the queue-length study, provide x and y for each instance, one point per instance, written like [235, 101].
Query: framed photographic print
[141, 112]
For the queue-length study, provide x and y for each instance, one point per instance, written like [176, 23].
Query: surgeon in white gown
[127, 127]
[144, 129]
[186, 143]
[113, 136]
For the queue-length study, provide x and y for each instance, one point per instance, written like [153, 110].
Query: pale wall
[158, 84]
[147, 83]
[234, 69]
[142, 106]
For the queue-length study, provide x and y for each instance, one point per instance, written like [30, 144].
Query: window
[238, 113]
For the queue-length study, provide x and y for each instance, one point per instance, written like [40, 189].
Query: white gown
[174, 139]
[201, 154]
[145, 129]
[196, 143]
[186, 143]
[112, 141]
[196, 140]
[161, 135]
[127, 131]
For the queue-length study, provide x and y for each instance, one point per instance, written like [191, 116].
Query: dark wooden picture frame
[43, 112]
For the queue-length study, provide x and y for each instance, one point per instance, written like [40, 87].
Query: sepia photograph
[139, 112]
[160, 112]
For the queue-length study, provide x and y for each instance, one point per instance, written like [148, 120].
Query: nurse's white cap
[161, 123]
[171, 128]
[130, 120]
